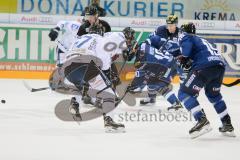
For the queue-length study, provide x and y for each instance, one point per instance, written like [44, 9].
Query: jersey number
[83, 40]
[210, 48]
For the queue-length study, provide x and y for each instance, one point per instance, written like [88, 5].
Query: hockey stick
[232, 84]
[121, 69]
[120, 100]
[34, 89]
[161, 48]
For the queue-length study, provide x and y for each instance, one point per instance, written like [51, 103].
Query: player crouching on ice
[89, 61]
[156, 69]
[207, 72]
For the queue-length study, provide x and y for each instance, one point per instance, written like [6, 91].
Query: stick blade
[34, 89]
[27, 86]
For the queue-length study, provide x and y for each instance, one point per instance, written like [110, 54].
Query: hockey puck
[3, 101]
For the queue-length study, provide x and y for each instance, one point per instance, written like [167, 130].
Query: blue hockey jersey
[149, 55]
[164, 45]
[200, 51]
[162, 39]
[163, 32]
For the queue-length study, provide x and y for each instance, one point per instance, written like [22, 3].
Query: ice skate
[202, 127]
[113, 127]
[74, 106]
[227, 129]
[176, 107]
[87, 100]
[148, 101]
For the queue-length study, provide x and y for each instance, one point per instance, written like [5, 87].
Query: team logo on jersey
[216, 89]
[196, 88]
[74, 27]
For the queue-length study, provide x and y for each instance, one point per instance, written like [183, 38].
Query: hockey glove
[54, 33]
[184, 63]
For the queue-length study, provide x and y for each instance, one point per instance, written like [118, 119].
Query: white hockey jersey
[102, 47]
[115, 42]
[69, 32]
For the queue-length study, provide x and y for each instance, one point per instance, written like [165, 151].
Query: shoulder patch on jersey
[75, 26]
[183, 36]
[161, 31]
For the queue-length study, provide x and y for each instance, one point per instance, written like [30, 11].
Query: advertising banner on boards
[222, 10]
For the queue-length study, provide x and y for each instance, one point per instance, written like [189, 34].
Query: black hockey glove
[54, 33]
[184, 63]
[140, 59]
[130, 52]
[125, 54]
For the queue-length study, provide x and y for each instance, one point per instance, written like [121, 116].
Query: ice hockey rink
[29, 130]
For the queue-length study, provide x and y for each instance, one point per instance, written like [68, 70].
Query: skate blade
[229, 134]
[115, 130]
[203, 131]
[88, 106]
[147, 104]
[88, 103]
[178, 111]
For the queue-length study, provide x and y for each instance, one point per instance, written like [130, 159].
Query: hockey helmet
[91, 11]
[129, 33]
[172, 19]
[188, 28]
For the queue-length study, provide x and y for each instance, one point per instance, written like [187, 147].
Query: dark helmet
[129, 33]
[172, 19]
[91, 11]
[95, 1]
[96, 29]
[188, 28]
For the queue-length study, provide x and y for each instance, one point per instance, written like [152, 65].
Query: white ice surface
[29, 130]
